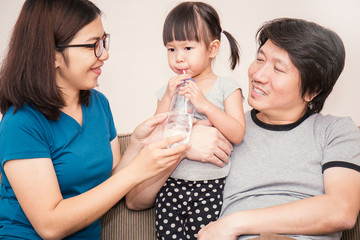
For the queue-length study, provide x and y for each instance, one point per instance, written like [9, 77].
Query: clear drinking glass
[180, 118]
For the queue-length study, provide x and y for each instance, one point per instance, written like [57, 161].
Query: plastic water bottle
[180, 117]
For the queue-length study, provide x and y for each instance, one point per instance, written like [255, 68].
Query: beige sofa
[120, 223]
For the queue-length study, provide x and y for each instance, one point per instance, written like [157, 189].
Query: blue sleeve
[113, 132]
[22, 136]
[106, 105]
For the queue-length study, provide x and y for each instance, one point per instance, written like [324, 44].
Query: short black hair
[317, 52]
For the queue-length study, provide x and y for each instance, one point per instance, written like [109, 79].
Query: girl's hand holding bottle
[196, 96]
[173, 83]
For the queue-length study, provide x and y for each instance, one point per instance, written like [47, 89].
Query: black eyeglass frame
[105, 41]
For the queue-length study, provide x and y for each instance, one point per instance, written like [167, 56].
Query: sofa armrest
[124, 224]
[354, 233]
[124, 139]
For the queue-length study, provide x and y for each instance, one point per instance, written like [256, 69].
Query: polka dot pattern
[183, 207]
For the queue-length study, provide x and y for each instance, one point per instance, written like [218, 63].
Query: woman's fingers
[164, 143]
[155, 120]
[156, 157]
[149, 130]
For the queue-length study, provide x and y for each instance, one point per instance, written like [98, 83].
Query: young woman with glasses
[60, 158]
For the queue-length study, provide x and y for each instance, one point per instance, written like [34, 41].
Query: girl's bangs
[183, 30]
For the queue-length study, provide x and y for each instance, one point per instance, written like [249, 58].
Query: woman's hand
[148, 158]
[208, 145]
[152, 155]
[153, 164]
[155, 157]
[150, 130]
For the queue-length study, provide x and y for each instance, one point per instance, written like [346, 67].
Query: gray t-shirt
[195, 170]
[284, 163]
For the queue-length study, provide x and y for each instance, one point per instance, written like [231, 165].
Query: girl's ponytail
[234, 49]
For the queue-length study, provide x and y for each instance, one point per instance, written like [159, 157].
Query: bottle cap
[184, 72]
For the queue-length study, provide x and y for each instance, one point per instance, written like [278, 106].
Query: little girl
[192, 196]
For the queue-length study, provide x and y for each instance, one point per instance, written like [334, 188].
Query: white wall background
[137, 66]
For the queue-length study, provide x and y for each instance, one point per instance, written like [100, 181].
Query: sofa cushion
[120, 223]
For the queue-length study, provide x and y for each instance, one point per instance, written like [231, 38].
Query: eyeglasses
[98, 46]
